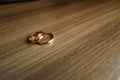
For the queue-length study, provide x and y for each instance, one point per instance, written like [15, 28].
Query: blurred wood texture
[86, 46]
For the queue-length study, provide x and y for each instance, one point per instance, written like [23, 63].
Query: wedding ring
[36, 36]
[50, 36]
[40, 38]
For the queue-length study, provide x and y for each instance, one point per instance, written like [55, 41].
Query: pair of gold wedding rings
[40, 38]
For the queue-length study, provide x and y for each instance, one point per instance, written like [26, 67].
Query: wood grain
[86, 46]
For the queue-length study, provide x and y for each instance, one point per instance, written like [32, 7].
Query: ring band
[37, 38]
[47, 42]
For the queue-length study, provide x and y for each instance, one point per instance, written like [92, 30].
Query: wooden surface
[86, 46]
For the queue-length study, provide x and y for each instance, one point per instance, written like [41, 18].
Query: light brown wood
[86, 46]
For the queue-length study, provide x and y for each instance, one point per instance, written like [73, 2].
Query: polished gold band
[37, 37]
[49, 41]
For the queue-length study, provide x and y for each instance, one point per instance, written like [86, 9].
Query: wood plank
[86, 46]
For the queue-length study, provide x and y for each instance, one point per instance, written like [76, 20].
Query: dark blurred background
[11, 1]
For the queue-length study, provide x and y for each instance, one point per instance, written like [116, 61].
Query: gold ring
[39, 38]
[36, 36]
[51, 38]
